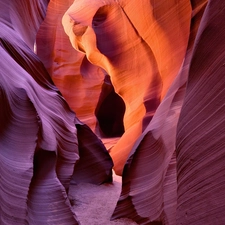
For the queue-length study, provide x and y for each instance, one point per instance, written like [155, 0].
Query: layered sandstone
[40, 143]
[146, 77]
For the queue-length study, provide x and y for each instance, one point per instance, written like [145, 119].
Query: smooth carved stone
[141, 54]
[95, 164]
[79, 81]
[30, 127]
[200, 132]
[150, 71]
[150, 176]
[39, 146]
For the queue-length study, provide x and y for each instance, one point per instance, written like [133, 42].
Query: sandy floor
[94, 204]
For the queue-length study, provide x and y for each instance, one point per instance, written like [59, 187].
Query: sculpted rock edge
[145, 77]
[39, 142]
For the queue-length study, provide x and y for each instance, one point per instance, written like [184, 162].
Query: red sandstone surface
[91, 87]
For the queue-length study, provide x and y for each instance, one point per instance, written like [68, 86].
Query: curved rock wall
[149, 192]
[138, 52]
[78, 80]
[150, 72]
[40, 146]
[200, 132]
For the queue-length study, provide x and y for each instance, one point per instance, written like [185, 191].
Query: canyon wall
[142, 79]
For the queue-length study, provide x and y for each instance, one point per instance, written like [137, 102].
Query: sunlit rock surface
[138, 52]
[79, 81]
[144, 76]
[149, 193]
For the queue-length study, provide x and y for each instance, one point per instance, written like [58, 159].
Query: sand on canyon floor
[94, 205]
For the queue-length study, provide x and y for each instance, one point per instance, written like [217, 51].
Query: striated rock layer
[149, 192]
[79, 81]
[200, 132]
[39, 141]
[31, 134]
[150, 72]
[110, 32]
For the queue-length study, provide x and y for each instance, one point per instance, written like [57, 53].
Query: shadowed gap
[110, 111]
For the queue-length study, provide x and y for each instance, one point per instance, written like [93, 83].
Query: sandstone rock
[38, 135]
[110, 32]
[200, 132]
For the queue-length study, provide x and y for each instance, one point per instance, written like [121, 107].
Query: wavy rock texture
[38, 137]
[149, 192]
[95, 164]
[83, 84]
[151, 72]
[200, 132]
[149, 178]
[109, 32]
[79, 81]
[32, 131]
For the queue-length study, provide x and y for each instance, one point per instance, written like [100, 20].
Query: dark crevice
[110, 111]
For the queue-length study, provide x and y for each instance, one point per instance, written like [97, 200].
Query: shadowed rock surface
[110, 32]
[200, 131]
[144, 79]
[39, 146]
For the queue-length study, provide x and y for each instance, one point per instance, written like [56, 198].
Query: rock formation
[109, 32]
[200, 131]
[149, 193]
[40, 141]
[145, 76]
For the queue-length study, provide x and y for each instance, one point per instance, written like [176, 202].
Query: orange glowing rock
[144, 76]
[78, 80]
[142, 54]
[149, 192]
